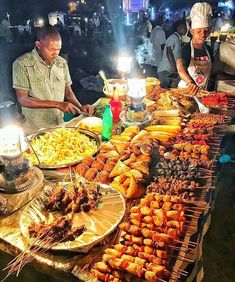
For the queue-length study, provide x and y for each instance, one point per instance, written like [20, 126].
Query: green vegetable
[100, 107]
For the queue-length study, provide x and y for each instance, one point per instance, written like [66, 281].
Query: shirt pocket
[59, 85]
[38, 87]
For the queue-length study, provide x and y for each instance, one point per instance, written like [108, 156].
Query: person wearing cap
[194, 66]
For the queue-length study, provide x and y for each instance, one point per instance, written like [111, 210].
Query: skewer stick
[194, 211]
[192, 216]
[184, 249]
[180, 273]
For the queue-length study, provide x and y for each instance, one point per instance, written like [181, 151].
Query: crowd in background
[91, 43]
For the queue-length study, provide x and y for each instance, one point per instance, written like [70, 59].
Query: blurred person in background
[146, 27]
[158, 40]
[167, 69]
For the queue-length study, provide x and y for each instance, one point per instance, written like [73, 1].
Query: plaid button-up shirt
[43, 82]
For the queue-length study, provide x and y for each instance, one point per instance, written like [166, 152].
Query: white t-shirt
[157, 38]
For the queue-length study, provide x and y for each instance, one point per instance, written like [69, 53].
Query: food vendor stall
[135, 208]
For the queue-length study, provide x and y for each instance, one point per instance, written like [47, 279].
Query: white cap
[200, 14]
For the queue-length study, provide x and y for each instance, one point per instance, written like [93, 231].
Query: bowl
[91, 123]
[120, 84]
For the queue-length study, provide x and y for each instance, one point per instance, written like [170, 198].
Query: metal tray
[35, 135]
[99, 222]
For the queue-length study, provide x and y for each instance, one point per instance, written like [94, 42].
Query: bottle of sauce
[107, 123]
[116, 106]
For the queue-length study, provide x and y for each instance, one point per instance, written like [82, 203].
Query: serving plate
[77, 159]
[99, 222]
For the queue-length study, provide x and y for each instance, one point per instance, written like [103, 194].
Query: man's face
[199, 35]
[49, 48]
[182, 29]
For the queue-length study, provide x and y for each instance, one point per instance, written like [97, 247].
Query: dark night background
[21, 10]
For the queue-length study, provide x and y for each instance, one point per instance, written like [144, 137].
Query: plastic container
[107, 124]
[116, 106]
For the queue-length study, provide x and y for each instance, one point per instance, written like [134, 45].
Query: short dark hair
[159, 20]
[178, 23]
[45, 31]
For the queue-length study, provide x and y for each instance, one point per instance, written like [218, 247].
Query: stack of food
[179, 169]
[66, 199]
[152, 83]
[163, 133]
[194, 142]
[161, 219]
[147, 241]
[170, 100]
[216, 100]
[166, 117]
[60, 146]
[186, 189]
[123, 162]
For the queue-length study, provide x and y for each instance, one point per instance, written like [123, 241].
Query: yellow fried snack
[61, 146]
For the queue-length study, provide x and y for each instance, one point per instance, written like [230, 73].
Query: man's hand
[192, 89]
[88, 109]
[67, 107]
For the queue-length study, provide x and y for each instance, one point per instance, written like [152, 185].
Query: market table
[60, 265]
[79, 264]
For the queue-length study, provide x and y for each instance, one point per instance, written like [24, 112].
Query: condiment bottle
[116, 106]
[107, 124]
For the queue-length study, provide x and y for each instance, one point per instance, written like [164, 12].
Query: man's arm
[29, 102]
[183, 73]
[171, 58]
[192, 88]
[70, 97]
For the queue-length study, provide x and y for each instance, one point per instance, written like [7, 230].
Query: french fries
[61, 146]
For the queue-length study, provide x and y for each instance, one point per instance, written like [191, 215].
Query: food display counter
[135, 208]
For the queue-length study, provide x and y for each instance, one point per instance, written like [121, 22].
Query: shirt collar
[178, 34]
[39, 59]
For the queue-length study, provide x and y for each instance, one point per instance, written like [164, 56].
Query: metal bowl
[35, 135]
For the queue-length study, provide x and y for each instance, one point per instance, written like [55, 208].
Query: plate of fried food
[72, 216]
[91, 123]
[61, 147]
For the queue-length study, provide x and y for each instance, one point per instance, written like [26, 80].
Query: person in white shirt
[167, 69]
[158, 40]
[146, 27]
[218, 23]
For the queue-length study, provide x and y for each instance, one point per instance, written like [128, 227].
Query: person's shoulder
[172, 39]
[160, 30]
[60, 62]
[25, 59]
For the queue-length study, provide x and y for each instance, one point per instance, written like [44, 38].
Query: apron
[198, 70]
